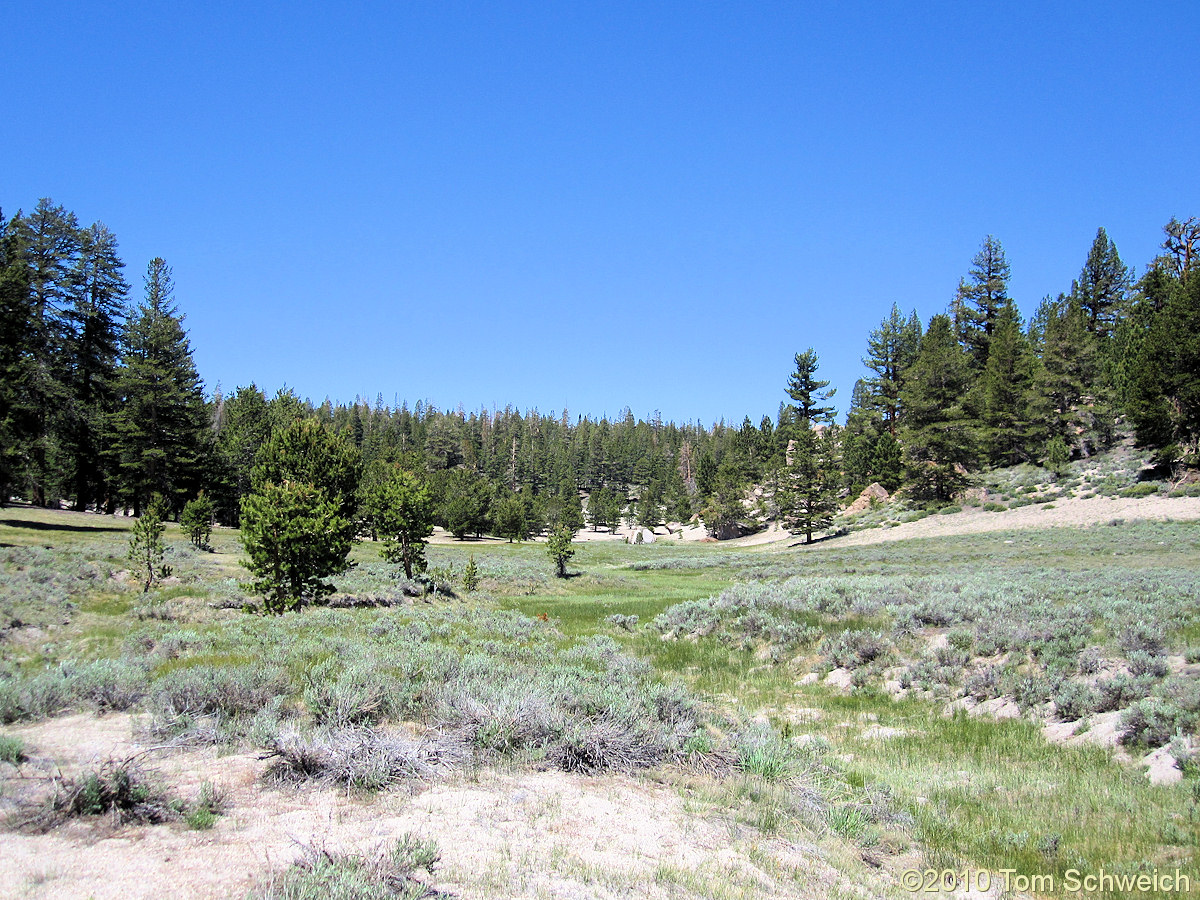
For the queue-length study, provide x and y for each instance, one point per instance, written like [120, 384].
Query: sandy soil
[1071, 513]
[529, 834]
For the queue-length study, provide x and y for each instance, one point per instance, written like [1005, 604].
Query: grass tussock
[361, 758]
[389, 873]
[119, 789]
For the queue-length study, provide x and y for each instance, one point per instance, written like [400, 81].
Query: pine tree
[979, 300]
[508, 513]
[940, 435]
[160, 423]
[616, 505]
[146, 545]
[808, 392]
[1006, 387]
[808, 499]
[572, 509]
[470, 579]
[649, 509]
[295, 538]
[560, 550]
[1162, 352]
[243, 426]
[597, 510]
[891, 348]
[20, 415]
[465, 508]
[1102, 287]
[49, 243]
[1069, 401]
[98, 299]
[400, 512]
[724, 512]
[298, 520]
[306, 452]
[196, 519]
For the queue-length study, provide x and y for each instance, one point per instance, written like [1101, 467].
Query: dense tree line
[100, 401]
[101, 406]
[979, 386]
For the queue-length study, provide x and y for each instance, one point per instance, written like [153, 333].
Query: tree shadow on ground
[56, 526]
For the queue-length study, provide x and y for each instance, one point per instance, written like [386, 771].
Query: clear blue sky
[593, 205]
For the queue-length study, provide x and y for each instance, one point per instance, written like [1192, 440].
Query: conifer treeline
[101, 405]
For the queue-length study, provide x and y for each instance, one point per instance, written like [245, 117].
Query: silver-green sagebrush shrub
[389, 873]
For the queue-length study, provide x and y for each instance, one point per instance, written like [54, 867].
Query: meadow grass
[533, 668]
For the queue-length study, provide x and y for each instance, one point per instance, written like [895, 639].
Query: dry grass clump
[386, 874]
[119, 789]
[359, 757]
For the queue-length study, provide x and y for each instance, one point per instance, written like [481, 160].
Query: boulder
[874, 492]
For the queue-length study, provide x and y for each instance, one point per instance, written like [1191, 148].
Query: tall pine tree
[979, 299]
[940, 435]
[161, 420]
[1006, 388]
[98, 300]
[891, 348]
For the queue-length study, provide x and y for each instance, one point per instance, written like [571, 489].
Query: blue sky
[593, 205]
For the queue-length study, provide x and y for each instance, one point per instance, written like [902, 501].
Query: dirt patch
[1068, 513]
[528, 834]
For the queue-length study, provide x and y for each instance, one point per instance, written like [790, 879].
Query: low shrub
[36, 697]
[12, 750]
[1143, 637]
[961, 639]
[624, 623]
[1090, 660]
[1075, 700]
[339, 696]
[387, 874]
[230, 690]
[1121, 690]
[119, 788]
[851, 649]
[1143, 489]
[1154, 722]
[202, 815]
[1149, 664]
[357, 757]
[762, 752]
[986, 684]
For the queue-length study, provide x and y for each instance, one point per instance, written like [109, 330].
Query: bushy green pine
[891, 348]
[196, 519]
[298, 521]
[295, 538]
[400, 513]
[980, 298]
[508, 514]
[808, 501]
[559, 548]
[1007, 391]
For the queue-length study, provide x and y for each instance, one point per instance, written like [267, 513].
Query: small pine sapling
[146, 545]
[559, 548]
[470, 578]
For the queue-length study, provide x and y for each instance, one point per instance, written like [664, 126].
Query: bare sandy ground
[521, 835]
[1070, 513]
[1066, 513]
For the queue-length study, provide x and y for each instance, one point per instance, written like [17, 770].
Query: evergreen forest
[102, 406]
